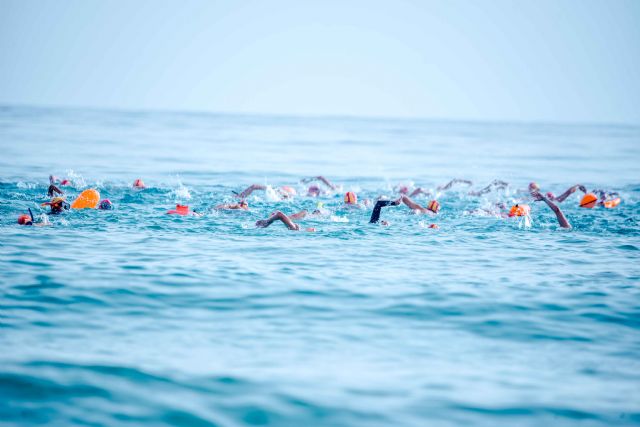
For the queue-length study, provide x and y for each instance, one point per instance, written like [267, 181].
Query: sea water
[132, 316]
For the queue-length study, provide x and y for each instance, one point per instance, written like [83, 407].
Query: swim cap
[519, 210]
[550, 195]
[403, 189]
[434, 206]
[533, 186]
[138, 183]
[106, 205]
[54, 201]
[433, 226]
[612, 203]
[65, 182]
[314, 191]
[24, 219]
[179, 210]
[350, 198]
[589, 201]
[288, 190]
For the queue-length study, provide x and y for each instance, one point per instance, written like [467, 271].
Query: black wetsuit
[375, 215]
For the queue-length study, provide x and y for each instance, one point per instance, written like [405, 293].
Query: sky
[558, 61]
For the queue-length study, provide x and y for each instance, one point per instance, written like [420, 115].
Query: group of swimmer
[90, 199]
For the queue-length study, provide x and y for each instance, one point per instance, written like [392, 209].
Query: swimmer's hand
[396, 202]
[537, 196]
[262, 223]
[582, 188]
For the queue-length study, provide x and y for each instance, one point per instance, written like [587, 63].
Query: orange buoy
[350, 198]
[434, 206]
[589, 201]
[519, 210]
[612, 203]
[88, 199]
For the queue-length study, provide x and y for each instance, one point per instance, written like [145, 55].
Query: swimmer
[564, 223]
[29, 220]
[138, 184]
[375, 214]
[58, 205]
[432, 208]
[105, 205]
[314, 190]
[241, 205]
[495, 185]
[286, 220]
[283, 192]
[55, 180]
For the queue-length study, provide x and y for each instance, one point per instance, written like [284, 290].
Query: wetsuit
[375, 215]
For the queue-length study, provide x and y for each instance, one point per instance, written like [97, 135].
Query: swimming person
[286, 220]
[564, 223]
[375, 214]
[25, 219]
[432, 208]
[57, 205]
[283, 192]
[241, 205]
[561, 198]
[496, 184]
[314, 190]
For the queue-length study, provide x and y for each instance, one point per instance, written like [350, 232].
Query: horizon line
[320, 116]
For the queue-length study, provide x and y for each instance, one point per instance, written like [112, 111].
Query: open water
[132, 316]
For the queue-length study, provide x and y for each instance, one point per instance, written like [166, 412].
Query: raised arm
[496, 184]
[375, 214]
[453, 181]
[561, 218]
[319, 178]
[561, 198]
[53, 190]
[419, 190]
[251, 189]
[277, 215]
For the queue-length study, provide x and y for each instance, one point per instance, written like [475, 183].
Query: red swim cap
[24, 219]
[138, 183]
[179, 210]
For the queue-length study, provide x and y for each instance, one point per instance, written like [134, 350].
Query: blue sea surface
[132, 316]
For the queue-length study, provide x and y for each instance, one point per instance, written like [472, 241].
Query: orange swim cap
[589, 201]
[24, 219]
[434, 226]
[612, 203]
[434, 206]
[138, 183]
[519, 210]
[350, 198]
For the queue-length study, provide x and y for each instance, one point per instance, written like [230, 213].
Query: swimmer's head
[313, 191]
[589, 201]
[434, 206]
[433, 226]
[105, 205]
[403, 189]
[288, 191]
[65, 182]
[25, 219]
[58, 204]
[533, 186]
[243, 204]
[138, 183]
[550, 195]
[350, 198]
[519, 210]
